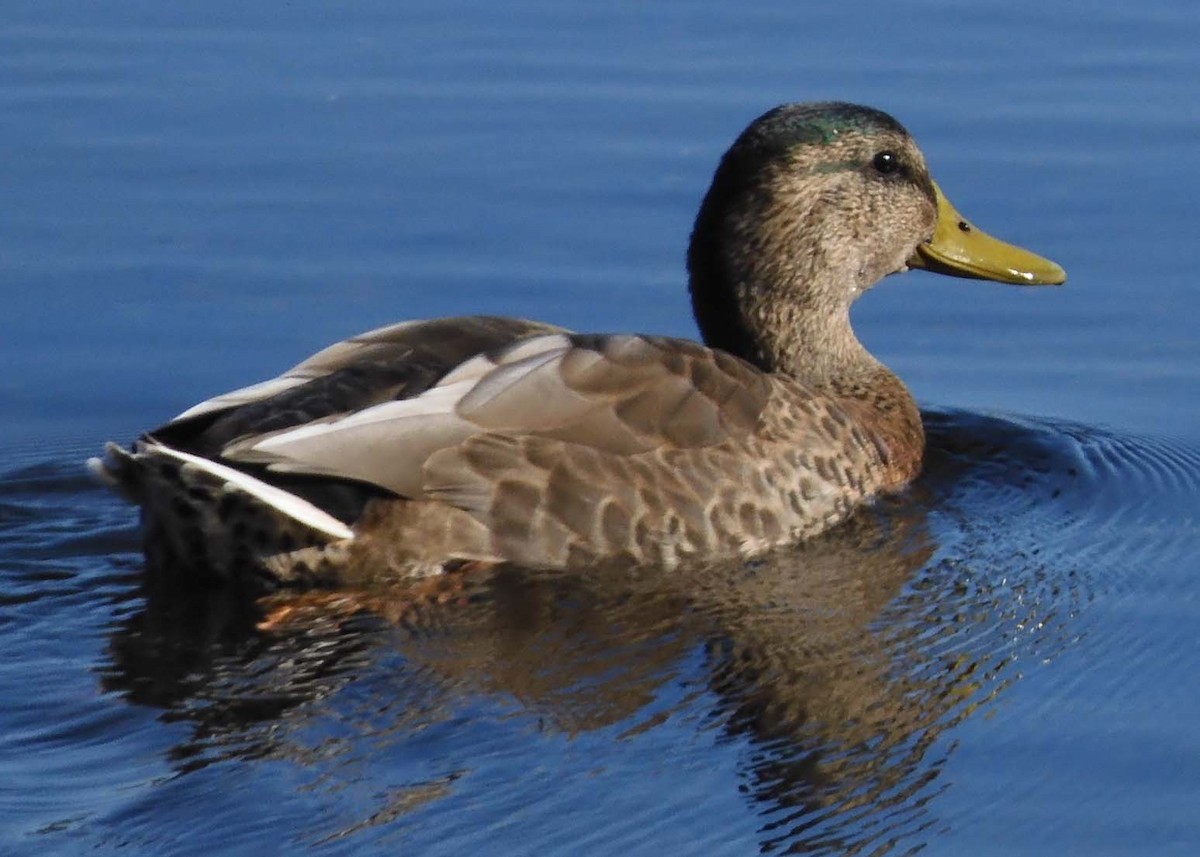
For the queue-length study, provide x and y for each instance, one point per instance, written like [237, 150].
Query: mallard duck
[427, 445]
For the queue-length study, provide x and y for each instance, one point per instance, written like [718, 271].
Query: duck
[428, 446]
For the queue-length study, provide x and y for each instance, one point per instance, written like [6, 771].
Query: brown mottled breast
[885, 413]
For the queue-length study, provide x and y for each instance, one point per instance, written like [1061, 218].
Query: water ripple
[821, 687]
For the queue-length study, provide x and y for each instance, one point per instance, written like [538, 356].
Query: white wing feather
[285, 502]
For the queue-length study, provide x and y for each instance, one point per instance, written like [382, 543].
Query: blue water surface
[195, 197]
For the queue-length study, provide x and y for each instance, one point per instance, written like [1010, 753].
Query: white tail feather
[283, 501]
[102, 474]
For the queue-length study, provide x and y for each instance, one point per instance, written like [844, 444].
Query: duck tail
[204, 518]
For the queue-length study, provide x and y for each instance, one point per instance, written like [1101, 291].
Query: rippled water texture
[826, 697]
[1003, 661]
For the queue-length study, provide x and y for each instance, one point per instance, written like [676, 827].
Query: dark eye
[886, 163]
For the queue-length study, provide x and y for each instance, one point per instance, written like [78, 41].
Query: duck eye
[886, 163]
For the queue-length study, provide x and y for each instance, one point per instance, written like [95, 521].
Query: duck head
[811, 206]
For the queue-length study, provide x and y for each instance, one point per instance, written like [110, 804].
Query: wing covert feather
[394, 362]
[621, 395]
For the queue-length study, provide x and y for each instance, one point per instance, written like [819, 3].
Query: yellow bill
[960, 250]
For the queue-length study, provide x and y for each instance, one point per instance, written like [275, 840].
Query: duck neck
[782, 312]
[829, 358]
[784, 331]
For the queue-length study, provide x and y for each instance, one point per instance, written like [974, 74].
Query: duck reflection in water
[841, 661]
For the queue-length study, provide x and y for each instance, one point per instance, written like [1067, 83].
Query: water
[1002, 663]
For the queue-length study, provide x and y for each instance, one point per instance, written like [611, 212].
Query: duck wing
[619, 395]
[395, 362]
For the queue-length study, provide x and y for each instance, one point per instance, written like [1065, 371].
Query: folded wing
[621, 395]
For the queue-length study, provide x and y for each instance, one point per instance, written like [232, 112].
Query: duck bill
[960, 250]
